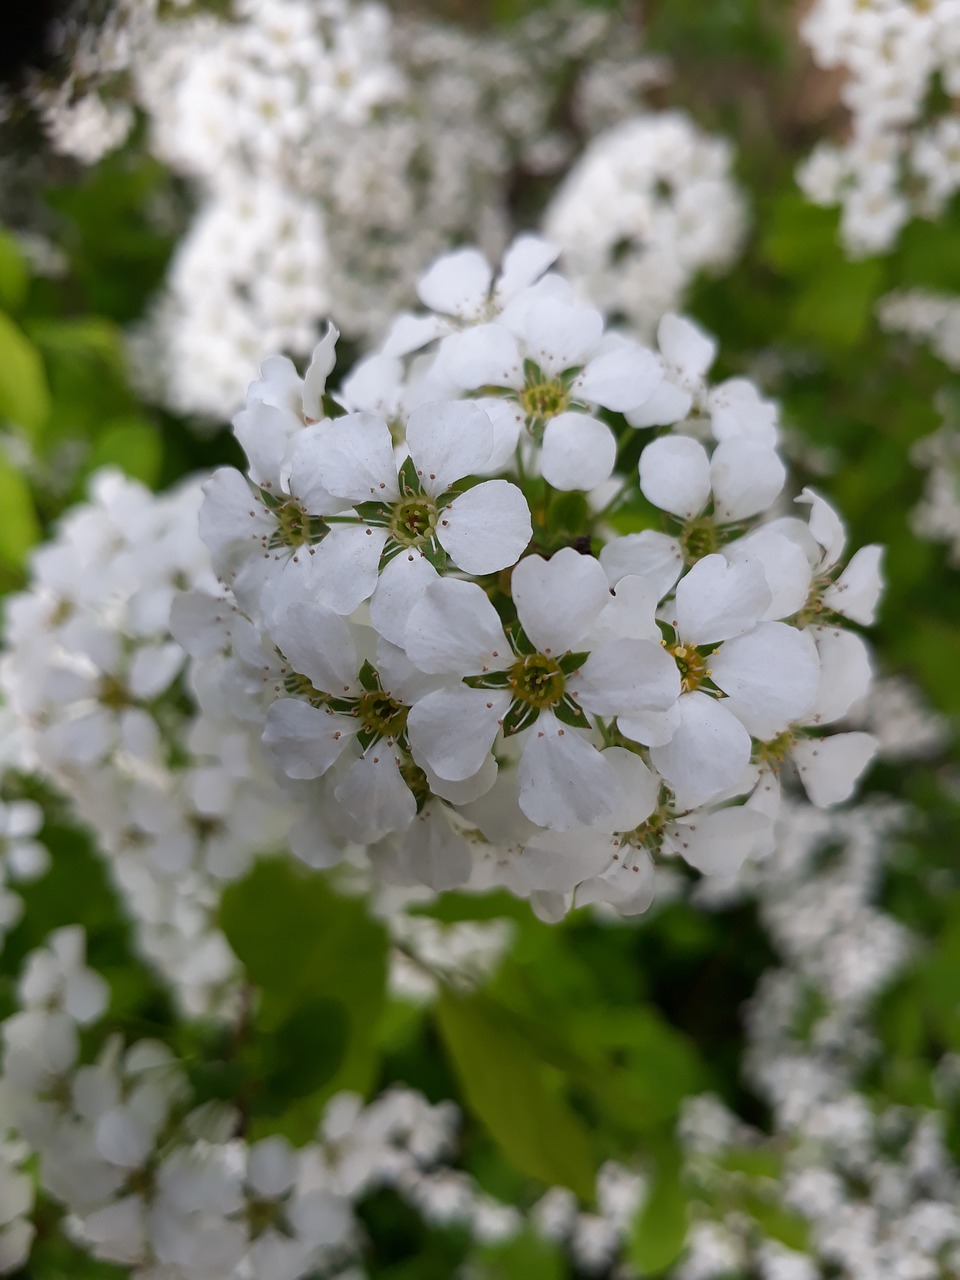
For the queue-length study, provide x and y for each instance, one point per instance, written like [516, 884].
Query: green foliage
[512, 1090]
[24, 394]
[319, 963]
[661, 1227]
[14, 276]
[19, 528]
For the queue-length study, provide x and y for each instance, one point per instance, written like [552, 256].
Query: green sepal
[567, 712]
[435, 554]
[491, 680]
[369, 680]
[520, 716]
[272, 501]
[373, 513]
[366, 738]
[531, 372]
[518, 638]
[571, 662]
[409, 480]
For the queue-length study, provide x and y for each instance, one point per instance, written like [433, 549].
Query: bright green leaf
[133, 445]
[511, 1090]
[19, 528]
[660, 1231]
[24, 394]
[14, 276]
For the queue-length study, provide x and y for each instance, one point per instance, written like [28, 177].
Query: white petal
[122, 1139]
[153, 668]
[506, 418]
[264, 433]
[560, 336]
[746, 478]
[343, 569]
[454, 629]
[316, 643]
[631, 613]
[304, 740]
[410, 333]
[232, 521]
[465, 791]
[718, 844]
[301, 470]
[484, 356]
[830, 767]
[373, 791]
[556, 861]
[825, 525]
[856, 593]
[707, 754]
[665, 405]
[453, 729]
[457, 284]
[487, 528]
[399, 677]
[399, 587]
[355, 459]
[845, 673]
[639, 790]
[271, 1166]
[448, 439]
[315, 379]
[771, 675]
[626, 677]
[621, 379]
[524, 262]
[564, 781]
[652, 728]
[716, 600]
[433, 854]
[684, 345]
[579, 452]
[648, 554]
[785, 566]
[675, 475]
[629, 884]
[558, 600]
[737, 411]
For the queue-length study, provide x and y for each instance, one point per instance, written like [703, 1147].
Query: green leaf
[302, 1055]
[513, 1093]
[525, 1257]
[24, 394]
[133, 445]
[301, 943]
[837, 305]
[14, 276]
[19, 527]
[660, 1231]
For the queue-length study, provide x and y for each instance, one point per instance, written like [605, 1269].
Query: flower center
[544, 399]
[381, 716]
[414, 520]
[295, 526]
[773, 753]
[649, 835]
[113, 693]
[691, 664]
[537, 681]
[698, 539]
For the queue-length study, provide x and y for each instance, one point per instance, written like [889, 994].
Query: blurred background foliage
[590, 1036]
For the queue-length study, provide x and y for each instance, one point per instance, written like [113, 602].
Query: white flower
[544, 682]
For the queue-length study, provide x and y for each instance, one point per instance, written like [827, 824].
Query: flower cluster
[461, 665]
[334, 149]
[874, 1188]
[648, 205]
[901, 160]
[155, 1181]
[108, 707]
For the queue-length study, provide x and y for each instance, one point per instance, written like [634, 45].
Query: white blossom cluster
[902, 157]
[153, 1181]
[334, 149]
[22, 857]
[874, 1183]
[105, 705]
[478, 696]
[933, 318]
[649, 204]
